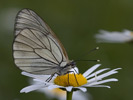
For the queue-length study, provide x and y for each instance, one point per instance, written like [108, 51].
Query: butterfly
[36, 49]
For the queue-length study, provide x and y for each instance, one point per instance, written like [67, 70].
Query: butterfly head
[72, 63]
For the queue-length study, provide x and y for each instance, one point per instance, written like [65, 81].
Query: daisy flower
[61, 94]
[114, 37]
[72, 81]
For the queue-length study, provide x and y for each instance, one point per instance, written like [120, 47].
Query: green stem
[69, 95]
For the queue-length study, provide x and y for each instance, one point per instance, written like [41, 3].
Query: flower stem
[69, 95]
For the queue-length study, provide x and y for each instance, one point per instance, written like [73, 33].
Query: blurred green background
[75, 22]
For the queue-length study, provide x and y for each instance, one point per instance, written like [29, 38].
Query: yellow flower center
[74, 80]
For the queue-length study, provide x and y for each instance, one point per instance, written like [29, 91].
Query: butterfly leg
[74, 76]
[48, 79]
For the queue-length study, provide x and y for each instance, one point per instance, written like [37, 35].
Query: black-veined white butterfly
[36, 49]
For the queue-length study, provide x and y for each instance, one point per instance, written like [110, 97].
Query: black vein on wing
[44, 70]
[50, 63]
[45, 58]
[51, 50]
[26, 19]
[45, 46]
[38, 39]
[37, 19]
[36, 53]
[33, 16]
[58, 48]
[36, 66]
[44, 67]
[34, 26]
[23, 50]
[32, 40]
[30, 16]
[25, 44]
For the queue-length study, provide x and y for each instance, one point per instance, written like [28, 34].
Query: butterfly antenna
[87, 60]
[97, 48]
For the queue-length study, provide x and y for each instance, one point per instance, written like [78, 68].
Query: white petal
[114, 37]
[32, 88]
[69, 88]
[33, 75]
[75, 70]
[100, 86]
[104, 75]
[108, 73]
[108, 80]
[53, 86]
[39, 77]
[38, 80]
[82, 89]
[89, 71]
[101, 82]
[96, 73]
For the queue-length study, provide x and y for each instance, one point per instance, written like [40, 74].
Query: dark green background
[75, 22]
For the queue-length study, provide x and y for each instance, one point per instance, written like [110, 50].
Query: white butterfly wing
[36, 48]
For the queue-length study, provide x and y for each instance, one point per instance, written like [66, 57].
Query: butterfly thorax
[66, 68]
